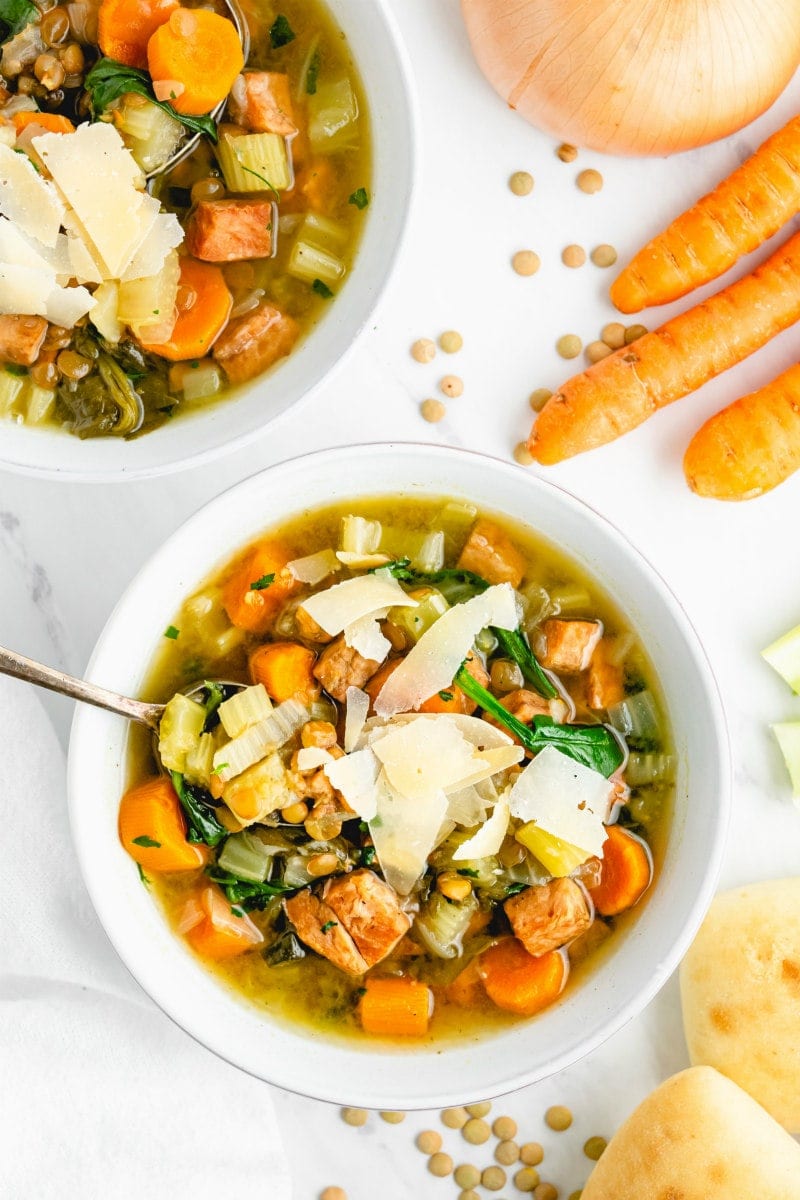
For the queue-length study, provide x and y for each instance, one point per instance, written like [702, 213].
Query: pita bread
[740, 985]
[698, 1137]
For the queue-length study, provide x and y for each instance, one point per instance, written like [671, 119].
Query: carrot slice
[222, 933]
[396, 1007]
[52, 122]
[625, 875]
[452, 699]
[124, 27]
[254, 607]
[197, 53]
[518, 982]
[204, 305]
[286, 670]
[152, 828]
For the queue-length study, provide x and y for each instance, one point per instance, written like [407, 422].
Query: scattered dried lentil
[613, 334]
[454, 1118]
[440, 1165]
[333, 1193]
[504, 1128]
[451, 386]
[466, 1175]
[594, 1147]
[468, 1195]
[451, 341]
[355, 1116]
[526, 1180]
[558, 1117]
[429, 1141]
[476, 1131]
[479, 1110]
[539, 398]
[393, 1118]
[597, 350]
[569, 346]
[493, 1178]
[432, 410]
[507, 1153]
[573, 256]
[545, 1191]
[423, 350]
[531, 1154]
[590, 181]
[604, 255]
[521, 183]
[522, 455]
[634, 332]
[567, 153]
[526, 262]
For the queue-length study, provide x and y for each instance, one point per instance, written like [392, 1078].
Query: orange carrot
[452, 699]
[623, 390]
[518, 982]
[749, 447]
[396, 1007]
[373, 687]
[198, 55]
[254, 607]
[222, 933]
[124, 27]
[742, 212]
[52, 122]
[152, 828]
[625, 874]
[286, 670]
[204, 305]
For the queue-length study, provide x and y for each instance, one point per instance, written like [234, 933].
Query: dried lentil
[569, 346]
[545, 1191]
[333, 1193]
[558, 1117]
[393, 1118]
[440, 1165]
[355, 1116]
[521, 183]
[526, 262]
[432, 410]
[479, 1110]
[539, 398]
[531, 1154]
[634, 332]
[466, 1175]
[507, 1153]
[573, 256]
[476, 1131]
[526, 1180]
[451, 341]
[468, 1195]
[567, 153]
[429, 1141]
[504, 1128]
[604, 255]
[451, 386]
[613, 334]
[590, 181]
[493, 1178]
[594, 1147]
[454, 1118]
[522, 454]
[596, 351]
[423, 350]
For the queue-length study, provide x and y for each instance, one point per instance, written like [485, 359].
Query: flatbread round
[698, 1137]
[740, 986]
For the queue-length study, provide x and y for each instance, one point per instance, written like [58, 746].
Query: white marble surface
[67, 550]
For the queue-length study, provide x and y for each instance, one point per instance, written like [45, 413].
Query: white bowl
[200, 435]
[356, 1073]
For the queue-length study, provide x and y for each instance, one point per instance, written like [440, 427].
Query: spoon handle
[20, 667]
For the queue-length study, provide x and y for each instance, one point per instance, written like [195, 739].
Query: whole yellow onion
[636, 76]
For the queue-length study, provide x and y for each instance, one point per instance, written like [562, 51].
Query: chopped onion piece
[344, 603]
[357, 708]
[314, 567]
[563, 797]
[190, 915]
[489, 838]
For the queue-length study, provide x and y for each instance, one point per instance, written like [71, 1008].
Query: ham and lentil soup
[176, 208]
[424, 776]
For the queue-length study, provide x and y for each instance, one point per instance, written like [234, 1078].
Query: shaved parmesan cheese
[431, 665]
[480, 733]
[164, 235]
[489, 838]
[361, 562]
[466, 807]
[365, 636]
[24, 290]
[104, 314]
[344, 603]
[357, 707]
[65, 306]
[311, 758]
[18, 251]
[489, 762]
[564, 798]
[425, 757]
[355, 777]
[314, 567]
[404, 832]
[85, 265]
[30, 201]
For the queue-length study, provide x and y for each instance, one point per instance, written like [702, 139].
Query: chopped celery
[309, 263]
[441, 925]
[415, 621]
[200, 760]
[572, 598]
[206, 621]
[147, 303]
[536, 603]
[359, 535]
[149, 132]
[244, 709]
[558, 857]
[636, 717]
[323, 232]
[430, 555]
[246, 857]
[295, 873]
[36, 403]
[179, 731]
[784, 656]
[200, 383]
[255, 162]
[655, 770]
[788, 735]
[260, 740]
[10, 387]
[259, 790]
[333, 117]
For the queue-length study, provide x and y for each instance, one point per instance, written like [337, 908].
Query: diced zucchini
[148, 303]
[431, 605]
[558, 857]
[286, 948]
[244, 709]
[179, 731]
[441, 924]
[333, 117]
[150, 133]
[309, 263]
[10, 388]
[788, 735]
[246, 857]
[255, 162]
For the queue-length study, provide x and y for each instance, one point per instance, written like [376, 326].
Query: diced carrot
[251, 598]
[199, 53]
[52, 122]
[452, 699]
[222, 933]
[396, 1007]
[124, 27]
[467, 988]
[204, 306]
[286, 670]
[373, 687]
[315, 185]
[518, 982]
[625, 875]
[152, 828]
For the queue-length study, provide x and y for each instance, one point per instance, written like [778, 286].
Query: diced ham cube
[21, 339]
[550, 915]
[230, 230]
[489, 552]
[318, 926]
[568, 646]
[250, 344]
[605, 684]
[261, 101]
[340, 667]
[370, 912]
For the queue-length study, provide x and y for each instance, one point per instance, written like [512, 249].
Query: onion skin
[636, 77]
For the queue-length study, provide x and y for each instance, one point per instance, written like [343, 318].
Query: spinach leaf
[515, 645]
[204, 825]
[281, 32]
[312, 75]
[108, 80]
[14, 16]
[246, 894]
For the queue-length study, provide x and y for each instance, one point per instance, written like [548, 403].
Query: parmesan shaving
[27, 199]
[314, 567]
[361, 562]
[356, 710]
[311, 758]
[165, 234]
[355, 777]
[405, 832]
[565, 798]
[489, 838]
[425, 757]
[365, 636]
[347, 602]
[65, 306]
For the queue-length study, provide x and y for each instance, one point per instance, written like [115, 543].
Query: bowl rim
[335, 1091]
[409, 100]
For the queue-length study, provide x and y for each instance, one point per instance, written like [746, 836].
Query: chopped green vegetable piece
[258, 585]
[142, 875]
[248, 894]
[204, 825]
[286, 948]
[328, 926]
[446, 696]
[516, 646]
[108, 80]
[469, 872]
[321, 288]
[172, 632]
[237, 912]
[312, 75]
[14, 16]
[144, 840]
[281, 32]
[514, 889]
[13, 369]
[215, 694]
[784, 656]
[367, 856]
[359, 198]
[788, 735]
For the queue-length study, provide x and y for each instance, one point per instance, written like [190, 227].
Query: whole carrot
[623, 390]
[751, 446]
[733, 220]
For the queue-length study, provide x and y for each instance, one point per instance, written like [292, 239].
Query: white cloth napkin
[101, 1096]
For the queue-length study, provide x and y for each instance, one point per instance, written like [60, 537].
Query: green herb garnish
[367, 856]
[204, 825]
[172, 632]
[144, 840]
[108, 80]
[142, 875]
[514, 889]
[446, 696]
[258, 585]
[359, 198]
[328, 926]
[468, 871]
[321, 288]
[281, 32]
